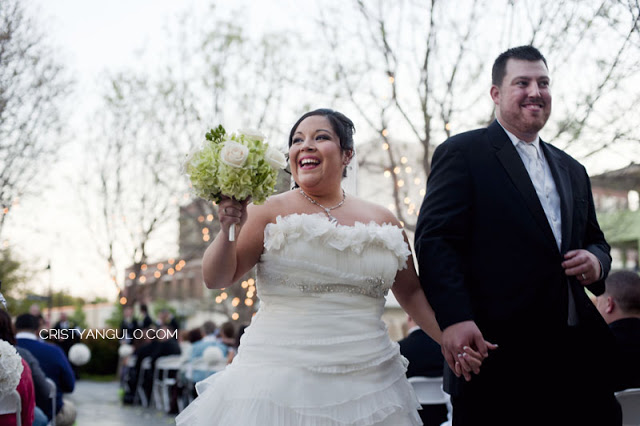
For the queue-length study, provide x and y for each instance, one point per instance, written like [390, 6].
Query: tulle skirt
[294, 371]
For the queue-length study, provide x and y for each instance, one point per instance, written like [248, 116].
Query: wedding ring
[583, 276]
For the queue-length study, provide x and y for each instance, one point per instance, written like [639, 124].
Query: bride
[317, 351]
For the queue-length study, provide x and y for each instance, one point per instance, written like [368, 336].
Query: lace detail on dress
[340, 237]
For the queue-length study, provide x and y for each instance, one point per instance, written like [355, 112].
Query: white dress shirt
[540, 174]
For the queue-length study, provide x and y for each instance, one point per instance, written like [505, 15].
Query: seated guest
[163, 345]
[194, 335]
[619, 305]
[210, 331]
[40, 385]
[54, 363]
[224, 342]
[425, 359]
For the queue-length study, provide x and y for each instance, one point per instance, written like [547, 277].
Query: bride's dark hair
[341, 124]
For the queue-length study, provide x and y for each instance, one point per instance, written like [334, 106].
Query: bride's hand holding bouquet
[233, 169]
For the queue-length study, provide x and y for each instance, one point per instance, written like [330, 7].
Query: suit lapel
[512, 163]
[560, 174]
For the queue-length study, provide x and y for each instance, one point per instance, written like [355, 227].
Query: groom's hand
[464, 348]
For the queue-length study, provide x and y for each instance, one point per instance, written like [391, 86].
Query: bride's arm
[412, 299]
[225, 262]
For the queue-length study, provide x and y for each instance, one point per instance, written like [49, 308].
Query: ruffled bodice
[312, 255]
[317, 352]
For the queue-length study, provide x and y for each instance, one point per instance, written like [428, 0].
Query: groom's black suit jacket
[486, 251]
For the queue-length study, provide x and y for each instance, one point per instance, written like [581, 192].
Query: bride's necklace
[327, 210]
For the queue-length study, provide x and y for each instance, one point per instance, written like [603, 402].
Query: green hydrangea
[231, 165]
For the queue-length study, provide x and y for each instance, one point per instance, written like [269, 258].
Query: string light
[123, 300]
[235, 316]
[404, 160]
[200, 219]
[205, 237]
[248, 302]
[132, 275]
[396, 170]
[143, 267]
[385, 132]
[157, 274]
[387, 173]
[408, 169]
[447, 127]
[143, 279]
[391, 80]
[385, 146]
[171, 261]
[251, 281]
[400, 183]
[160, 266]
[244, 284]
[171, 271]
[235, 302]
[417, 181]
[209, 217]
[422, 192]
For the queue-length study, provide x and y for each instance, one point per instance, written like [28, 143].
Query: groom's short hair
[524, 53]
[624, 288]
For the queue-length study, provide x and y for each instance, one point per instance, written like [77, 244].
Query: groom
[507, 240]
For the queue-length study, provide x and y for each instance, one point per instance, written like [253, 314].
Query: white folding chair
[53, 394]
[140, 394]
[429, 390]
[163, 380]
[10, 404]
[629, 400]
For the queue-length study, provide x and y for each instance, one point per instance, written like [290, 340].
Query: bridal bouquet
[10, 368]
[238, 165]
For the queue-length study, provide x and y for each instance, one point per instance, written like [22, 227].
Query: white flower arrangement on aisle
[10, 368]
[79, 354]
[125, 350]
[238, 165]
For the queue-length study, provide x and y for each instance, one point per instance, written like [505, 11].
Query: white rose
[234, 154]
[252, 134]
[275, 158]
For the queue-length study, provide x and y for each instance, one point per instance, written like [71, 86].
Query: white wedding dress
[317, 351]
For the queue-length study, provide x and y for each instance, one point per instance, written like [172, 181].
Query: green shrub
[104, 354]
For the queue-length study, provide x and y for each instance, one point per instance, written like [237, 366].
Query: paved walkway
[99, 405]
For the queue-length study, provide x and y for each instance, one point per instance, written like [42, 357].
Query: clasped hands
[464, 348]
